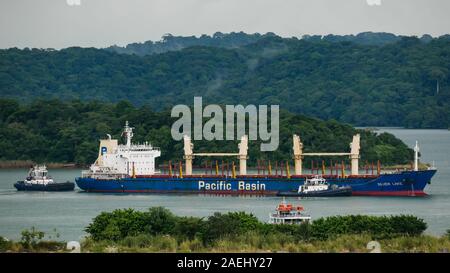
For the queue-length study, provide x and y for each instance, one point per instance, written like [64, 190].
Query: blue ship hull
[406, 183]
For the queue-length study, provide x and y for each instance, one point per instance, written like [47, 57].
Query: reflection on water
[71, 212]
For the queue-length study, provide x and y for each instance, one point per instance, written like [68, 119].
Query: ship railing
[102, 175]
[287, 215]
[85, 173]
[139, 147]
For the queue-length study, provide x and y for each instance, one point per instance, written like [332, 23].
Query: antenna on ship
[416, 156]
[128, 131]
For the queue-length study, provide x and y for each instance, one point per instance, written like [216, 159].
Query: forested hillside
[56, 131]
[173, 43]
[237, 39]
[403, 83]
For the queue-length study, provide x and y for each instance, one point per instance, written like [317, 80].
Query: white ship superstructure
[314, 184]
[38, 175]
[128, 160]
[287, 214]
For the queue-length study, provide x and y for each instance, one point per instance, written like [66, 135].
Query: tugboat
[286, 214]
[318, 187]
[38, 180]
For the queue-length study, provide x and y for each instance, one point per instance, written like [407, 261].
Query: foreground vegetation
[120, 224]
[274, 243]
[244, 243]
[68, 132]
[158, 230]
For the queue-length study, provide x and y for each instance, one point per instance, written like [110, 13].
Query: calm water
[71, 212]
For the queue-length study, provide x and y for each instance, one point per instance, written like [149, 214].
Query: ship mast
[416, 156]
[128, 131]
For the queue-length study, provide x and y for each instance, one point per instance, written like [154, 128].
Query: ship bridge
[126, 159]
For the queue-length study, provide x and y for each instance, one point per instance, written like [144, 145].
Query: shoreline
[25, 164]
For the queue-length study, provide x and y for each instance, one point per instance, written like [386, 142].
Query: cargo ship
[130, 168]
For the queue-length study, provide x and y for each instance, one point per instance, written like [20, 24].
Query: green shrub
[50, 246]
[219, 225]
[407, 225]
[247, 222]
[300, 232]
[160, 221]
[303, 232]
[138, 241]
[379, 227]
[120, 223]
[164, 243]
[5, 244]
[30, 238]
[229, 225]
[188, 227]
[195, 245]
[117, 225]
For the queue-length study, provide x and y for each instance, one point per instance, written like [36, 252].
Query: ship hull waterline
[406, 183]
[64, 186]
[339, 192]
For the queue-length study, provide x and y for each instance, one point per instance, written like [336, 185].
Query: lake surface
[70, 212]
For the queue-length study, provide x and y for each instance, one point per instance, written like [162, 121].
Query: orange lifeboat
[284, 207]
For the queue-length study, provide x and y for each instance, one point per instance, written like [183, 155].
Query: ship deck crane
[353, 154]
[242, 155]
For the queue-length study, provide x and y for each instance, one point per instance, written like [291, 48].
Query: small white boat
[287, 214]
